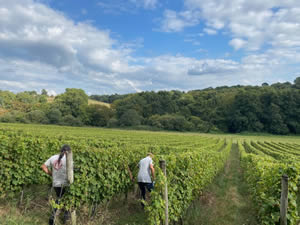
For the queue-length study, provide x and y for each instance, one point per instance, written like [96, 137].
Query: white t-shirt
[59, 170]
[144, 174]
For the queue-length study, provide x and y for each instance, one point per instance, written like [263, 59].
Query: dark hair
[64, 148]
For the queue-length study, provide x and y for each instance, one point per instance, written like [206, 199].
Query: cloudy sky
[125, 46]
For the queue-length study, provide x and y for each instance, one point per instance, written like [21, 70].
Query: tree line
[268, 108]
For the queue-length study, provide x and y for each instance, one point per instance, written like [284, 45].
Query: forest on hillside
[268, 108]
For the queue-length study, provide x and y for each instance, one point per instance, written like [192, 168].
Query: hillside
[95, 102]
[273, 108]
[90, 102]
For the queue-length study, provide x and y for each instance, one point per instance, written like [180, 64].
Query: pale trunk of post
[70, 175]
[284, 200]
[162, 164]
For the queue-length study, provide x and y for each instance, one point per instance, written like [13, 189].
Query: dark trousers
[59, 193]
[143, 187]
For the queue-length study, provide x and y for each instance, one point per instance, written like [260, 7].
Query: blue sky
[119, 46]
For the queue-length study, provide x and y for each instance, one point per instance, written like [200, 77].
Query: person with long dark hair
[56, 166]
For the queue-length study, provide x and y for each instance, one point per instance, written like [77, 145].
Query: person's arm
[130, 173]
[152, 172]
[46, 170]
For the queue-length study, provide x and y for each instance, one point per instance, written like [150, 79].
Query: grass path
[226, 201]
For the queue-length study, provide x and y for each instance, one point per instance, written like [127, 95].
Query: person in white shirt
[56, 167]
[146, 170]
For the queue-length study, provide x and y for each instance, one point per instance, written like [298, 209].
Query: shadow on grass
[35, 210]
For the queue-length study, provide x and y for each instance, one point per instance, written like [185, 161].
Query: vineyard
[102, 158]
[264, 163]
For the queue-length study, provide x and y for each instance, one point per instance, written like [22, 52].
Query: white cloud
[51, 92]
[41, 48]
[13, 84]
[219, 66]
[175, 22]
[147, 4]
[237, 43]
[172, 22]
[150, 3]
[258, 23]
[40, 43]
[210, 31]
[191, 40]
[267, 31]
[116, 7]
[272, 22]
[120, 6]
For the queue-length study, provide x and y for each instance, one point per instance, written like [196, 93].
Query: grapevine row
[101, 166]
[264, 168]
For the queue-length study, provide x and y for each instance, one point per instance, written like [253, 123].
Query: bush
[7, 118]
[37, 116]
[130, 118]
[70, 120]
[113, 122]
[54, 116]
[14, 117]
[98, 115]
[171, 122]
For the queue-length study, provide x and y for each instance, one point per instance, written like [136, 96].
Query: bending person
[57, 164]
[146, 169]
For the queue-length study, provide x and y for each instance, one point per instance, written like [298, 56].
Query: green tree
[72, 102]
[54, 116]
[37, 116]
[130, 118]
[99, 115]
[113, 122]
[70, 120]
[277, 125]
[44, 92]
[6, 99]
[29, 97]
[171, 122]
[297, 83]
[246, 113]
[14, 117]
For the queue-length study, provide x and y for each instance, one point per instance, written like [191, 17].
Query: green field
[196, 163]
[105, 132]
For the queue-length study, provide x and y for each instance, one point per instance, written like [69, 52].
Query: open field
[102, 132]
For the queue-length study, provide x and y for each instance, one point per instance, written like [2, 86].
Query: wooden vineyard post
[70, 175]
[21, 197]
[284, 199]
[162, 164]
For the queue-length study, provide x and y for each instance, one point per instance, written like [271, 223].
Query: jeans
[59, 193]
[143, 187]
